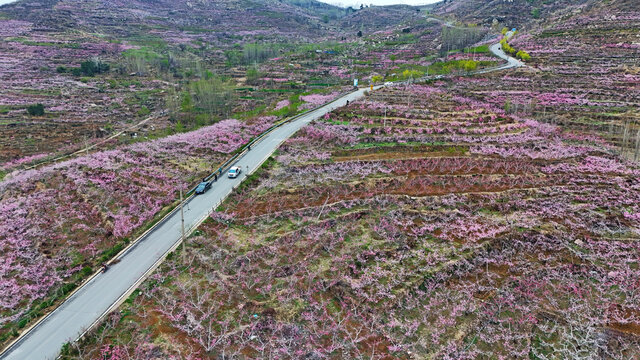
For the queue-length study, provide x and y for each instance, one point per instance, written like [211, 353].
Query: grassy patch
[484, 49]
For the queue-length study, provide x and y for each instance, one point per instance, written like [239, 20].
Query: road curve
[105, 292]
[496, 49]
[512, 62]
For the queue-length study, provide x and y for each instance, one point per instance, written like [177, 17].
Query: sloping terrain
[474, 217]
[514, 13]
[152, 56]
[99, 68]
[583, 75]
[41, 42]
[440, 229]
[225, 18]
[493, 216]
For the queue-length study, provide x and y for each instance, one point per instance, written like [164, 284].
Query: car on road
[234, 172]
[203, 187]
[388, 83]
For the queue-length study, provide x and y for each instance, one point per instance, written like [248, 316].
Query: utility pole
[385, 117]
[182, 218]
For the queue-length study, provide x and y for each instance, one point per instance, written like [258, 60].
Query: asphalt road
[511, 62]
[105, 291]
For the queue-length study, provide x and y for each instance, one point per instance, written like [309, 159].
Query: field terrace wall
[584, 75]
[414, 223]
[41, 42]
[77, 109]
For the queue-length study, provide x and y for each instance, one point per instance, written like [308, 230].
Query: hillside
[130, 84]
[465, 216]
[493, 216]
[156, 47]
[513, 13]
[225, 18]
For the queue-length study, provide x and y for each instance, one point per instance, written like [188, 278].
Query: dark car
[203, 187]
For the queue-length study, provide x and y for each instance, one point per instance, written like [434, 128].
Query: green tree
[523, 55]
[93, 67]
[187, 102]
[470, 65]
[535, 13]
[35, 110]
[252, 75]
[213, 96]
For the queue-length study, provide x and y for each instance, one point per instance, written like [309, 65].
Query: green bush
[86, 271]
[535, 13]
[35, 110]
[67, 288]
[506, 47]
[22, 323]
[523, 55]
[412, 74]
[144, 111]
[93, 67]
[470, 65]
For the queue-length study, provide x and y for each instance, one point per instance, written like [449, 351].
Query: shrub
[535, 13]
[35, 110]
[144, 111]
[92, 67]
[86, 271]
[523, 55]
[470, 65]
[252, 75]
[506, 47]
[412, 74]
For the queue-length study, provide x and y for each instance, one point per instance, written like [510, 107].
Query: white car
[388, 83]
[234, 172]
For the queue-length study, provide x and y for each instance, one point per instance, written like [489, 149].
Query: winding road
[105, 292]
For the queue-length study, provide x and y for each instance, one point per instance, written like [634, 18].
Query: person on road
[215, 177]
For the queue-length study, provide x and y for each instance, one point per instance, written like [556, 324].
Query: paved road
[496, 49]
[104, 292]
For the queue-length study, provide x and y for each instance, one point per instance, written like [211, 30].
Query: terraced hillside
[446, 229]
[493, 216]
[101, 67]
[584, 75]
